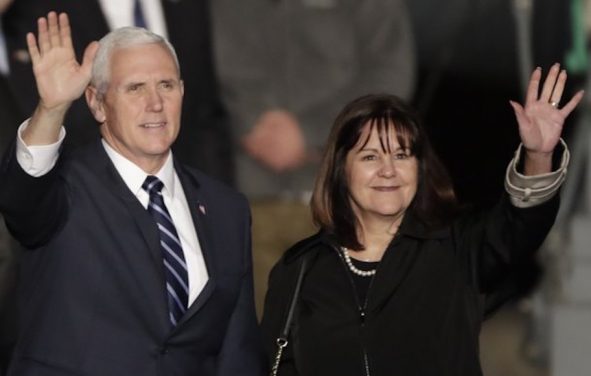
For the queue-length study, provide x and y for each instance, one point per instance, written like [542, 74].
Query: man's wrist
[44, 126]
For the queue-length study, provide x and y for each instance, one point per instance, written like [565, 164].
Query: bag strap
[282, 339]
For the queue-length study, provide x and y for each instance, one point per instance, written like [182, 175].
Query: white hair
[124, 37]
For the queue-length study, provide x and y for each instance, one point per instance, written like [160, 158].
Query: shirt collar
[134, 176]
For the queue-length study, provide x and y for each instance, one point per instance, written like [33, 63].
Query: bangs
[384, 124]
[434, 202]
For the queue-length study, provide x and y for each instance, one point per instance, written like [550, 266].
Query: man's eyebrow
[133, 83]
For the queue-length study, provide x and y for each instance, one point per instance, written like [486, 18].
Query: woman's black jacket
[425, 305]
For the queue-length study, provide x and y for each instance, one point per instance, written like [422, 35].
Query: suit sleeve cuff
[40, 159]
[527, 191]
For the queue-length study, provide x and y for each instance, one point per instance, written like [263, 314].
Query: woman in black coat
[395, 282]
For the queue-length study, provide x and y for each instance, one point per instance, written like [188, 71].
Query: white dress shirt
[38, 160]
[120, 13]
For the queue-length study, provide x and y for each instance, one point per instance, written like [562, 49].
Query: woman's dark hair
[435, 200]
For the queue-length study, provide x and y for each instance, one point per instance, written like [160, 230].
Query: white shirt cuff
[37, 160]
[527, 191]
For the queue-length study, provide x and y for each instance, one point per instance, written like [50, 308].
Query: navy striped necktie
[175, 267]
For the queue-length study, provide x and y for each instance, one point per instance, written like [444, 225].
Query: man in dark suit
[108, 287]
[205, 141]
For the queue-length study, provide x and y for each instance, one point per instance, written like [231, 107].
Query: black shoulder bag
[282, 339]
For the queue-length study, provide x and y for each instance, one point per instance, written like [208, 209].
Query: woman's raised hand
[542, 118]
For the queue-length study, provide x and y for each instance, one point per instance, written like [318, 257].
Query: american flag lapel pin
[202, 209]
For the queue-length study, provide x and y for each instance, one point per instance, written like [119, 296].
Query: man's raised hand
[60, 78]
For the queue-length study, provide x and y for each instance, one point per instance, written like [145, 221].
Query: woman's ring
[554, 104]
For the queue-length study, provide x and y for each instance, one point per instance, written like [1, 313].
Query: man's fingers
[65, 32]
[32, 46]
[43, 35]
[88, 57]
[54, 30]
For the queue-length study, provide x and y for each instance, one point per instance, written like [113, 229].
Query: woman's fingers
[534, 86]
[558, 89]
[549, 83]
[552, 88]
[572, 104]
[519, 113]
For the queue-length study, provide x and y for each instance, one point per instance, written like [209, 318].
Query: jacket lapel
[150, 279]
[203, 227]
[397, 263]
[154, 282]
[400, 257]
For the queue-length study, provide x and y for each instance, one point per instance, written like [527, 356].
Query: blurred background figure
[561, 334]
[8, 111]
[9, 120]
[205, 140]
[286, 67]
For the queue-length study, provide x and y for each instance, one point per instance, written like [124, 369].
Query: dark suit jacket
[205, 140]
[92, 290]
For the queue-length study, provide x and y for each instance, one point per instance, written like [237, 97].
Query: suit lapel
[150, 280]
[142, 218]
[152, 284]
[198, 208]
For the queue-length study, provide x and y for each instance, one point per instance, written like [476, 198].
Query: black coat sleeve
[500, 248]
[34, 208]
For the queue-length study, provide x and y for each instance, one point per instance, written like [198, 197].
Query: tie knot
[152, 184]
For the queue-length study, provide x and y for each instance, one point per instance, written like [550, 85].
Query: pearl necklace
[352, 268]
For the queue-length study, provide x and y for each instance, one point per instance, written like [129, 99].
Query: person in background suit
[8, 250]
[205, 138]
[285, 69]
[136, 263]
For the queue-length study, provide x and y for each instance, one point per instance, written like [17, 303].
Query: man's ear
[95, 104]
